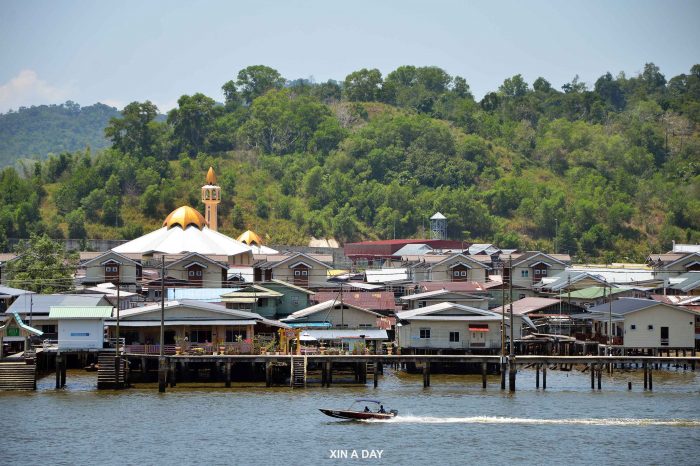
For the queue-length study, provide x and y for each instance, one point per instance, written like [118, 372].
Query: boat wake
[529, 421]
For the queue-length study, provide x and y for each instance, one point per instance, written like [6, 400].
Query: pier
[280, 368]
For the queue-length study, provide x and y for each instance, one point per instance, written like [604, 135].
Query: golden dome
[184, 216]
[211, 176]
[250, 237]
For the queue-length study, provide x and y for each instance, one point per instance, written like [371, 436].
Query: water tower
[438, 226]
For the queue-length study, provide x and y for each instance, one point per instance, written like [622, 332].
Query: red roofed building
[385, 249]
[377, 301]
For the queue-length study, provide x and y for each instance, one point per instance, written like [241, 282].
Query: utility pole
[162, 365]
[503, 325]
[512, 370]
[117, 359]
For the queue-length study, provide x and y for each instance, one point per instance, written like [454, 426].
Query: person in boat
[381, 409]
[367, 409]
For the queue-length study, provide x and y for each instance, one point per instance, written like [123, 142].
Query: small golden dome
[211, 176]
[250, 237]
[184, 216]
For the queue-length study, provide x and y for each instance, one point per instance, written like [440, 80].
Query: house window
[543, 272]
[200, 336]
[297, 273]
[421, 304]
[650, 327]
[48, 328]
[456, 273]
[295, 300]
[537, 271]
[195, 273]
[341, 325]
[366, 325]
[454, 336]
[524, 273]
[263, 302]
[633, 327]
[425, 333]
[232, 335]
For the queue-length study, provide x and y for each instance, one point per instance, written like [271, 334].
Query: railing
[192, 348]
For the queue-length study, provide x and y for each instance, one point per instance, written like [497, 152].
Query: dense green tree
[363, 85]
[192, 122]
[42, 266]
[136, 132]
[253, 82]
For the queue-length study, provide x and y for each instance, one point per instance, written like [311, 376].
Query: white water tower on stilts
[438, 226]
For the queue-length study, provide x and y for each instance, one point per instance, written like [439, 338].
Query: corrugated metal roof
[65, 312]
[595, 292]
[9, 291]
[377, 300]
[41, 303]
[368, 333]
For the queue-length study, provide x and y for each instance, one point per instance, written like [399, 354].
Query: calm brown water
[453, 422]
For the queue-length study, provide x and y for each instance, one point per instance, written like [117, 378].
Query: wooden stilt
[375, 375]
[646, 375]
[59, 357]
[651, 383]
[592, 369]
[162, 374]
[600, 373]
[537, 375]
[544, 377]
[171, 373]
[329, 381]
[227, 374]
[426, 374]
[483, 375]
[512, 371]
[268, 374]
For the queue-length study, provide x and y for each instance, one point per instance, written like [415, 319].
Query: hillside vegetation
[35, 132]
[611, 172]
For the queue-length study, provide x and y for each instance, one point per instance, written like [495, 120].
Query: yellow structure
[250, 238]
[211, 196]
[184, 216]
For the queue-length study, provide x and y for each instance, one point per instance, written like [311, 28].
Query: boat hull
[357, 415]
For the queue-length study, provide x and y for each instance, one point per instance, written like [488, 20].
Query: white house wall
[681, 328]
[80, 334]
[409, 335]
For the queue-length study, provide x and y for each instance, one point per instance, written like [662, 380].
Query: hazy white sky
[118, 52]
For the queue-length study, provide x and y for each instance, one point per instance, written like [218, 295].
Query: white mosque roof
[176, 240]
[184, 230]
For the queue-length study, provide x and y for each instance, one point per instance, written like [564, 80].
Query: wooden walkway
[361, 364]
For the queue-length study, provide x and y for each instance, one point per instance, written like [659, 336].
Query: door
[664, 336]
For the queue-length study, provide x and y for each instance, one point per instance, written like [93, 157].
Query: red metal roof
[387, 247]
[372, 300]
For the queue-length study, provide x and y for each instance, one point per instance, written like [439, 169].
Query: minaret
[211, 196]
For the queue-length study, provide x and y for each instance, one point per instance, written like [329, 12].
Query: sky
[131, 50]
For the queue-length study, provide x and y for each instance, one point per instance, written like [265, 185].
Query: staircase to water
[298, 376]
[106, 376]
[17, 376]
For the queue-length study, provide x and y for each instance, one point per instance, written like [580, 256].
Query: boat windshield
[359, 405]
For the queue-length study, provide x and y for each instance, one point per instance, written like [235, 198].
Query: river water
[452, 422]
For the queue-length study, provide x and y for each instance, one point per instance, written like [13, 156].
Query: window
[295, 300]
[421, 304]
[525, 273]
[633, 327]
[232, 335]
[650, 327]
[456, 273]
[463, 273]
[48, 328]
[200, 336]
[537, 271]
[366, 325]
[305, 273]
[454, 336]
[425, 333]
[543, 272]
[297, 273]
[341, 325]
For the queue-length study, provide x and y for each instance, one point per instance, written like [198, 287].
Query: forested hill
[36, 131]
[608, 171]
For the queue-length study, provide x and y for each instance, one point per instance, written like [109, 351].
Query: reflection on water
[452, 422]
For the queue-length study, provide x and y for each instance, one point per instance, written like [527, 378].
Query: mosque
[185, 231]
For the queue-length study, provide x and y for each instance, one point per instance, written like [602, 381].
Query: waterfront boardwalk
[167, 365]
